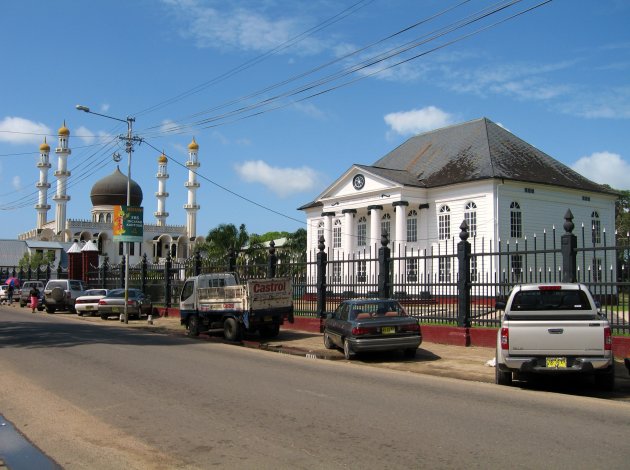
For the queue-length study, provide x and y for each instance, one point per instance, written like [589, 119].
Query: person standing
[10, 293]
[34, 293]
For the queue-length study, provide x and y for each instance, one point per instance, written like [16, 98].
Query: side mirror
[499, 305]
[329, 316]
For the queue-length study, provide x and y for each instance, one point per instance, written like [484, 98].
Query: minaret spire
[62, 174]
[161, 195]
[43, 185]
[192, 185]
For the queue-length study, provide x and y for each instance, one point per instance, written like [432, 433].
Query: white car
[87, 304]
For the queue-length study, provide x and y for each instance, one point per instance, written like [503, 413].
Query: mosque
[159, 239]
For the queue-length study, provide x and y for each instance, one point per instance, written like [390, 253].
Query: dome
[162, 159]
[112, 191]
[44, 147]
[63, 130]
[193, 145]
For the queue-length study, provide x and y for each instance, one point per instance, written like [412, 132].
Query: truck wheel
[328, 344]
[50, 309]
[347, 351]
[502, 378]
[231, 330]
[606, 380]
[193, 326]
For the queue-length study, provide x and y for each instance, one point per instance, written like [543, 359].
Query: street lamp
[129, 148]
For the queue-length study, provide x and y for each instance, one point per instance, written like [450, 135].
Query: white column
[161, 195]
[43, 185]
[328, 240]
[192, 185]
[375, 226]
[62, 174]
[401, 225]
[347, 240]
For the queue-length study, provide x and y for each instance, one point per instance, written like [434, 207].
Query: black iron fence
[453, 282]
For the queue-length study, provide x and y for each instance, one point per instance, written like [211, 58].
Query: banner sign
[128, 224]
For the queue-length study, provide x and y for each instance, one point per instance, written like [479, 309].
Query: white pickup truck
[553, 329]
[219, 302]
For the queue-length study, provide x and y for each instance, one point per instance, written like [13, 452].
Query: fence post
[384, 262]
[568, 243]
[272, 261]
[123, 267]
[104, 272]
[48, 272]
[197, 263]
[463, 282]
[12, 272]
[143, 270]
[59, 270]
[167, 280]
[322, 258]
[29, 272]
[21, 273]
[231, 260]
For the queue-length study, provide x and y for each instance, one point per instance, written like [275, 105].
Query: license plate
[89, 307]
[388, 330]
[557, 362]
[115, 309]
[267, 318]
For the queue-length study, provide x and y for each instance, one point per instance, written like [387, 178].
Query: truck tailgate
[568, 338]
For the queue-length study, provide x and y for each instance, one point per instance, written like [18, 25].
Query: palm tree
[223, 238]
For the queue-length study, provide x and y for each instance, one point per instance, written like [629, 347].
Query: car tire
[50, 309]
[347, 351]
[40, 309]
[193, 326]
[22, 304]
[104, 316]
[605, 381]
[410, 353]
[231, 330]
[501, 377]
[328, 344]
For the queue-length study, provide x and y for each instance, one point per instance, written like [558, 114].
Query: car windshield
[120, 294]
[96, 292]
[375, 310]
[532, 300]
[53, 284]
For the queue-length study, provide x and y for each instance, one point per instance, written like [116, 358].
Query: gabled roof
[472, 151]
[477, 150]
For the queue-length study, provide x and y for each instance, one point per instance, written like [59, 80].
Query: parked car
[372, 325]
[61, 294]
[87, 304]
[4, 294]
[113, 303]
[24, 294]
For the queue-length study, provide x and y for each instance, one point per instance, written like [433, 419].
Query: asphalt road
[95, 397]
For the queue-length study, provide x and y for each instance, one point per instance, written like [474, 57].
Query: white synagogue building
[421, 192]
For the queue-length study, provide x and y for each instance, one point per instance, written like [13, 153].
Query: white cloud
[418, 120]
[240, 27]
[309, 109]
[282, 181]
[17, 183]
[168, 126]
[605, 168]
[104, 107]
[16, 130]
[89, 137]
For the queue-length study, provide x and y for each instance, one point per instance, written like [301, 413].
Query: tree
[36, 260]
[223, 238]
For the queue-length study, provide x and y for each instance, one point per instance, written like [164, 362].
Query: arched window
[386, 225]
[444, 223]
[362, 232]
[101, 217]
[108, 218]
[320, 232]
[596, 227]
[337, 234]
[516, 221]
[412, 226]
[470, 216]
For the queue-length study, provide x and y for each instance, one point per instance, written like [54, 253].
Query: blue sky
[259, 84]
